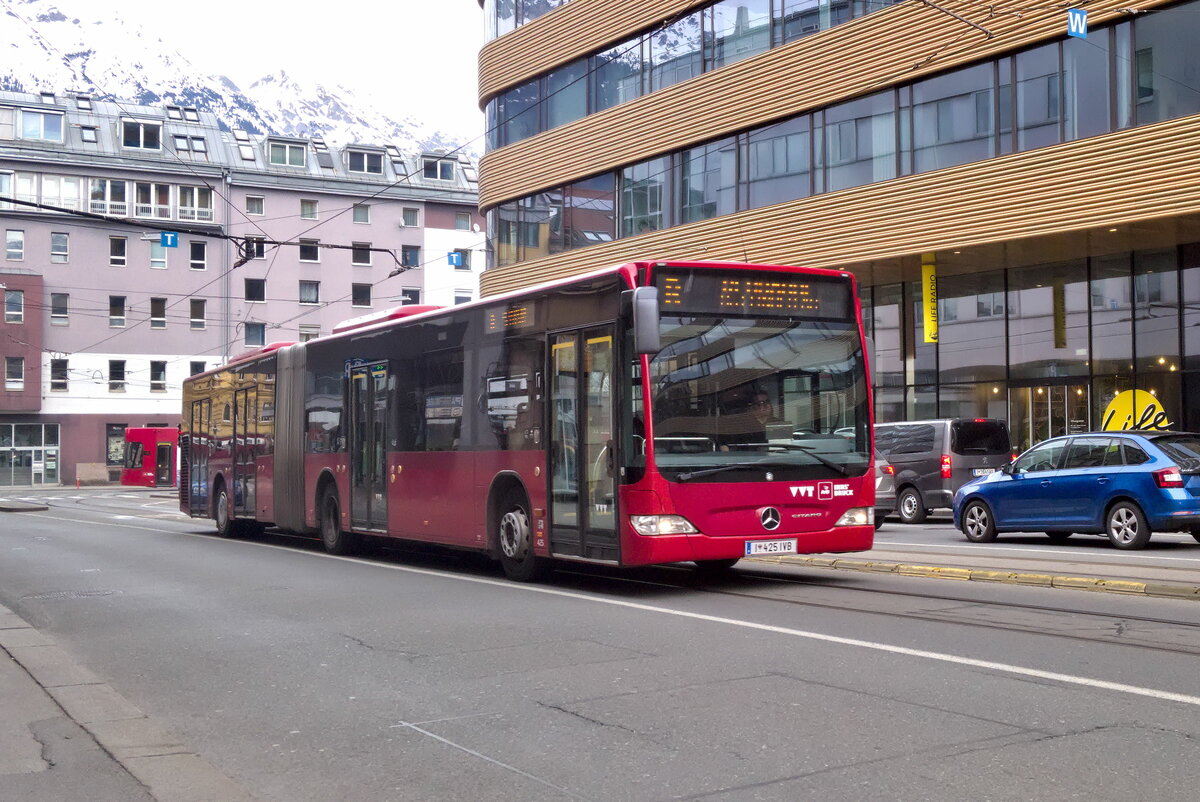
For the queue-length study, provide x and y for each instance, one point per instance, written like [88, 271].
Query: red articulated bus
[150, 456]
[654, 412]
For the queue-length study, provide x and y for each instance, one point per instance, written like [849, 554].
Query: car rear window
[980, 437]
[1184, 449]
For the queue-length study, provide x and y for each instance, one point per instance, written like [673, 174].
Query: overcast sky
[414, 57]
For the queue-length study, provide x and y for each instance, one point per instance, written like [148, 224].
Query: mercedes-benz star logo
[769, 518]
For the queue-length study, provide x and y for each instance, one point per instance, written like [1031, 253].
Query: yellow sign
[1134, 409]
[929, 301]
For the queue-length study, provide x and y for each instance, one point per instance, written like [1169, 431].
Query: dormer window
[442, 169]
[48, 97]
[44, 125]
[174, 113]
[88, 133]
[83, 102]
[191, 115]
[289, 154]
[141, 134]
[361, 162]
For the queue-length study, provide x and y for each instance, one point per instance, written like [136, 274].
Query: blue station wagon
[1125, 485]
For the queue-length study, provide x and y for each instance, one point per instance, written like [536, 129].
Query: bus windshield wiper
[842, 469]
[734, 466]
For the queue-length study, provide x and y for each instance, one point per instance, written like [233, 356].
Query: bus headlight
[662, 525]
[857, 516]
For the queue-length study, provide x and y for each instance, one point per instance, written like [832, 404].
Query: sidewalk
[65, 735]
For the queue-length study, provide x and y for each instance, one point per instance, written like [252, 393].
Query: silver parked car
[885, 490]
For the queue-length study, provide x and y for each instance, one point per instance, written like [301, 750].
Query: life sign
[169, 239]
[1134, 409]
[1077, 23]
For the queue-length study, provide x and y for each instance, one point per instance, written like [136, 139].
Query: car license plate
[754, 547]
[984, 471]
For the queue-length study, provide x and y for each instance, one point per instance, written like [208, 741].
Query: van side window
[885, 438]
[913, 439]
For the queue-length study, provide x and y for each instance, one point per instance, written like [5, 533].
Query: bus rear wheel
[227, 525]
[515, 540]
[335, 539]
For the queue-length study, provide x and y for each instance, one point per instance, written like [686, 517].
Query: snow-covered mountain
[54, 45]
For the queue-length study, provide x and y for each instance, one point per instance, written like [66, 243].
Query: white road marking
[981, 552]
[1005, 668]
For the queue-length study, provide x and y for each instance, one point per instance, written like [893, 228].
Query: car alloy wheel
[977, 523]
[1127, 527]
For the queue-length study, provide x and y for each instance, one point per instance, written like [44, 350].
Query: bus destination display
[735, 293]
[509, 316]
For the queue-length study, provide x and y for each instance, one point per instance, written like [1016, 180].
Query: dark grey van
[933, 458]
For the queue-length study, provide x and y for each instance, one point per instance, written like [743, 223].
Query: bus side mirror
[646, 339]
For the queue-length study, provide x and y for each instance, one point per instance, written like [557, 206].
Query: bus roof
[395, 313]
[266, 349]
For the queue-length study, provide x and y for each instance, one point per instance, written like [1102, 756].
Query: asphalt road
[416, 674]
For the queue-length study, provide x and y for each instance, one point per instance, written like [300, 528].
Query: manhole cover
[70, 594]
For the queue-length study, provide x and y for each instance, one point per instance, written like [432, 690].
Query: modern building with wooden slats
[1047, 181]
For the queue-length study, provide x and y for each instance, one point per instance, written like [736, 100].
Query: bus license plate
[754, 547]
[984, 471]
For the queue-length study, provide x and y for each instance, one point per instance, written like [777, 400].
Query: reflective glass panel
[971, 327]
[1086, 91]
[566, 94]
[779, 162]
[860, 141]
[1156, 310]
[740, 28]
[1111, 304]
[675, 52]
[952, 119]
[707, 182]
[1166, 63]
[1037, 98]
[1048, 320]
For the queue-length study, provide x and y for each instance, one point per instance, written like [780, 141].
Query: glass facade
[1063, 91]
[1047, 347]
[29, 454]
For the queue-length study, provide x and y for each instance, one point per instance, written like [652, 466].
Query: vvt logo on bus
[823, 491]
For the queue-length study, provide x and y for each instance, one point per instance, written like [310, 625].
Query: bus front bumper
[651, 549]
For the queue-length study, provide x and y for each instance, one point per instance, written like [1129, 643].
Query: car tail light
[1013, 457]
[946, 466]
[890, 470]
[1168, 477]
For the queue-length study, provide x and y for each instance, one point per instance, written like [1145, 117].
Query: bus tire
[335, 539]
[514, 540]
[227, 525]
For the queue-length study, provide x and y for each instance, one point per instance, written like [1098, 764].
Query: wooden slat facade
[1142, 173]
[887, 47]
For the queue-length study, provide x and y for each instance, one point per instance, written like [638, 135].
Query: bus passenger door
[164, 465]
[245, 449]
[368, 446]
[583, 511]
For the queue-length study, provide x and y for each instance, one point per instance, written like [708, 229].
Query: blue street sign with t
[455, 258]
[1077, 23]
[168, 239]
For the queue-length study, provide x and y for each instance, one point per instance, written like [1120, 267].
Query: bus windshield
[786, 395]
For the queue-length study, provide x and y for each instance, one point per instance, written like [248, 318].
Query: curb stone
[1091, 583]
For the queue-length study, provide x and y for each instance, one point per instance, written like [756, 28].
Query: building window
[136, 134]
[462, 297]
[116, 311]
[116, 375]
[442, 169]
[44, 125]
[109, 197]
[199, 255]
[255, 204]
[60, 308]
[158, 313]
[360, 162]
[158, 377]
[197, 314]
[158, 256]
[117, 251]
[287, 153]
[410, 255]
[181, 142]
[14, 245]
[14, 306]
[256, 334]
[87, 133]
[199, 145]
[310, 292]
[174, 113]
[60, 248]
[360, 253]
[83, 102]
[195, 203]
[308, 209]
[14, 373]
[362, 213]
[257, 246]
[195, 368]
[246, 152]
[309, 332]
[411, 217]
[461, 259]
[360, 294]
[58, 375]
[462, 221]
[310, 250]
[256, 290]
[191, 114]
[63, 191]
[152, 200]
[410, 296]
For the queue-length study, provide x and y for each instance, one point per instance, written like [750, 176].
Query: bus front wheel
[515, 540]
[335, 539]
